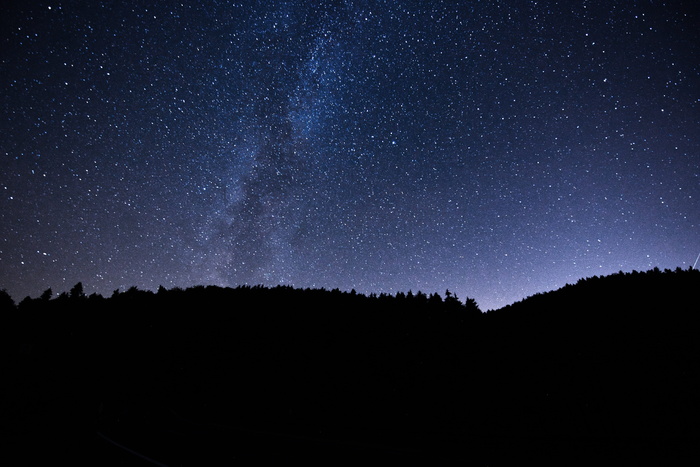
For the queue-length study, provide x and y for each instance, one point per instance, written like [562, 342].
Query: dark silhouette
[77, 291]
[6, 302]
[46, 295]
[187, 376]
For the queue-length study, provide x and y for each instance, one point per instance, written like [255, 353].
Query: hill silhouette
[609, 365]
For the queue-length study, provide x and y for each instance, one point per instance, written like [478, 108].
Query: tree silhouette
[6, 301]
[471, 306]
[452, 303]
[46, 295]
[77, 291]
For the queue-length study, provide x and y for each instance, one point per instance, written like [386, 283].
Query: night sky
[493, 148]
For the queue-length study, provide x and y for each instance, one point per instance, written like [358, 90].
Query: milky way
[496, 149]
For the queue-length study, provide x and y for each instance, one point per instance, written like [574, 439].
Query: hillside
[608, 365]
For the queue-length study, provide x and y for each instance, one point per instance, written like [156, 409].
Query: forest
[608, 367]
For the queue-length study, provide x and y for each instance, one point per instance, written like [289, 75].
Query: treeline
[607, 358]
[246, 296]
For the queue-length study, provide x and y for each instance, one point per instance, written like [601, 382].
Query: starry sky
[493, 148]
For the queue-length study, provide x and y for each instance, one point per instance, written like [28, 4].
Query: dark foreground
[607, 369]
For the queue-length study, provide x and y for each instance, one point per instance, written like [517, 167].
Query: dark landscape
[607, 368]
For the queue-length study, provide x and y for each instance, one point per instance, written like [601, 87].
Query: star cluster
[493, 148]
